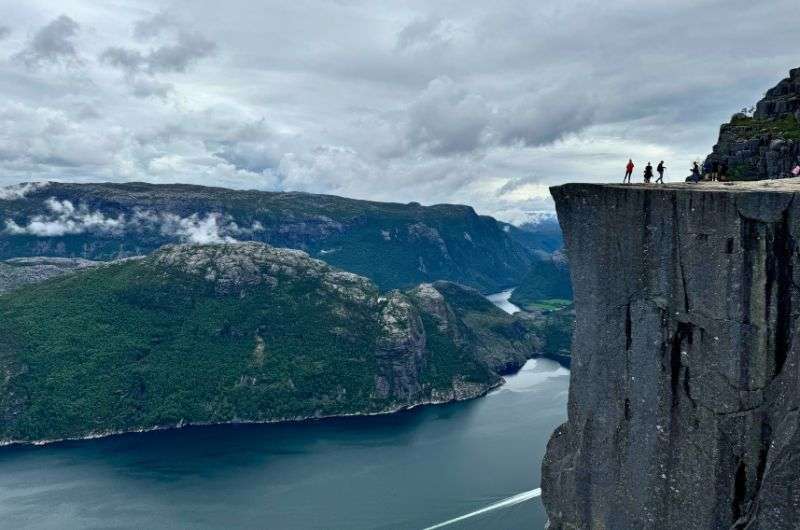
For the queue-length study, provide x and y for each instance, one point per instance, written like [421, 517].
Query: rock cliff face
[684, 407]
[23, 271]
[767, 144]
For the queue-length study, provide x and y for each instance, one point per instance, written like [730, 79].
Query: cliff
[765, 145]
[684, 399]
[196, 334]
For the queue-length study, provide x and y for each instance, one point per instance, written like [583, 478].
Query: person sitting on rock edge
[628, 172]
[695, 176]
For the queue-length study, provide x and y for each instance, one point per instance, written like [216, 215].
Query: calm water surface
[404, 471]
[501, 300]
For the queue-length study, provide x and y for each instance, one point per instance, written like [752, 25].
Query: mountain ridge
[233, 332]
[397, 245]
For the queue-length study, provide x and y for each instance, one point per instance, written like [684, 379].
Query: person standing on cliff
[628, 172]
[648, 173]
[660, 169]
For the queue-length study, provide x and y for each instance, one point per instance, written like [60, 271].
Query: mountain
[765, 145]
[684, 396]
[395, 245]
[17, 272]
[195, 334]
[542, 234]
[547, 284]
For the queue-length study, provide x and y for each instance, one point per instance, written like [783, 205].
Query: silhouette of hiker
[695, 176]
[648, 173]
[714, 170]
[660, 169]
[628, 172]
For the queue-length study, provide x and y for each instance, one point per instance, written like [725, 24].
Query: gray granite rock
[766, 145]
[685, 382]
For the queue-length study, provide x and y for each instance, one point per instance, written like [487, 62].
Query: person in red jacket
[628, 172]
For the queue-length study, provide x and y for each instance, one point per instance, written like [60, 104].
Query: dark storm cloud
[140, 68]
[52, 44]
[123, 58]
[189, 48]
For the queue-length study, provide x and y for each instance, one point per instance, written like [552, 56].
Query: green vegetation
[395, 245]
[786, 127]
[220, 334]
[549, 305]
[547, 286]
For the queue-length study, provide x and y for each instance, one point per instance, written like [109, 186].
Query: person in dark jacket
[660, 169]
[714, 170]
[648, 173]
[628, 172]
[707, 170]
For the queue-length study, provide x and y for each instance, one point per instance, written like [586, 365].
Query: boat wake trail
[505, 503]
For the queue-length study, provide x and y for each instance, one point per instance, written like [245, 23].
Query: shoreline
[298, 419]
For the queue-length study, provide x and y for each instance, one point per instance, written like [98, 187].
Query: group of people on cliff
[712, 171]
[648, 172]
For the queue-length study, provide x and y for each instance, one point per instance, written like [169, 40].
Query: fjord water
[403, 471]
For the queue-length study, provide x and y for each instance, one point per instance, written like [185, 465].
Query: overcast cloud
[484, 103]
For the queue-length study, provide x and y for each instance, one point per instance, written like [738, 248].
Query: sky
[468, 101]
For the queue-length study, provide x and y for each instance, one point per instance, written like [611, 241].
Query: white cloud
[64, 218]
[449, 101]
[20, 191]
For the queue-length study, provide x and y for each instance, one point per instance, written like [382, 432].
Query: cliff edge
[684, 402]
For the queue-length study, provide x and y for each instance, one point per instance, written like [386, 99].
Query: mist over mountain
[396, 245]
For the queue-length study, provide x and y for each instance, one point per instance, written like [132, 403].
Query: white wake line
[505, 503]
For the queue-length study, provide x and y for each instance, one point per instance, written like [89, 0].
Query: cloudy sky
[468, 101]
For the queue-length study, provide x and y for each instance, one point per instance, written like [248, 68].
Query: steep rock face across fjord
[684, 407]
[222, 333]
[395, 245]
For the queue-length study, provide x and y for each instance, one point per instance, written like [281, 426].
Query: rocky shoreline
[456, 398]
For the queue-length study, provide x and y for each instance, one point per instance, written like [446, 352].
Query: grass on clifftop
[748, 127]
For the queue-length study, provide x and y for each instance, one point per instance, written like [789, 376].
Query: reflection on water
[531, 375]
[501, 301]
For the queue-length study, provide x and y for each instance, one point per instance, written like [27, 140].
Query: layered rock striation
[685, 392]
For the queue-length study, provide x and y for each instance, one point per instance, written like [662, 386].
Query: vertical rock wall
[683, 406]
